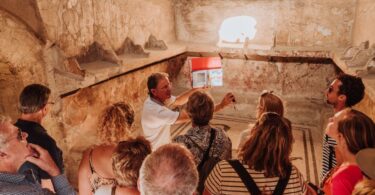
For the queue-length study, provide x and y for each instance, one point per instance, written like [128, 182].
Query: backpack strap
[281, 184]
[206, 153]
[245, 177]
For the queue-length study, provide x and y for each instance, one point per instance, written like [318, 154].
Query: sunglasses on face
[330, 89]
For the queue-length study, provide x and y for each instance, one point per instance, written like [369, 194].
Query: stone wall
[307, 23]
[80, 111]
[70, 26]
[75, 24]
[364, 31]
[300, 85]
[20, 61]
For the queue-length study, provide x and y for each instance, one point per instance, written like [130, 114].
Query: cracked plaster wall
[364, 30]
[301, 85]
[72, 24]
[20, 61]
[80, 111]
[308, 23]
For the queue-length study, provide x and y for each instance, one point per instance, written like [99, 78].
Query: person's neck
[127, 190]
[9, 168]
[338, 108]
[348, 158]
[157, 100]
[34, 117]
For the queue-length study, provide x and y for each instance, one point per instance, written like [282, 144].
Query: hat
[366, 161]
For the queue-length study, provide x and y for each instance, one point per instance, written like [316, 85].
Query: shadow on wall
[237, 31]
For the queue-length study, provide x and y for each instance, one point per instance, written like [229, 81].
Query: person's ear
[153, 91]
[342, 98]
[138, 186]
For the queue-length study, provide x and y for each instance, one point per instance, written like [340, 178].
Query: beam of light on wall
[235, 31]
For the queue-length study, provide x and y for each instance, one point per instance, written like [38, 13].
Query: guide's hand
[228, 99]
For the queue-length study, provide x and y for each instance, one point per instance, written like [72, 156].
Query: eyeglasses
[330, 89]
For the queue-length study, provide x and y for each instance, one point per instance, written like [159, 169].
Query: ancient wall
[300, 85]
[363, 30]
[75, 24]
[307, 23]
[20, 61]
[31, 28]
[80, 111]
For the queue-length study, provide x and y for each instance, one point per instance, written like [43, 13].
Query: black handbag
[207, 163]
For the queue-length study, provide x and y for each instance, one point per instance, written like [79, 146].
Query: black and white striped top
[223, 179]
[329, 157]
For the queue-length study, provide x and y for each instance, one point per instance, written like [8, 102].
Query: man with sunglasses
[14, 153]
[34, 105]
[345, 91]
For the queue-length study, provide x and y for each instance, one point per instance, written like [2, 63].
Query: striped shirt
[329, 157]
[223, 179]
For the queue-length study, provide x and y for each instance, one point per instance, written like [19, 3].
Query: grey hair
[3, 119]
[170, 170]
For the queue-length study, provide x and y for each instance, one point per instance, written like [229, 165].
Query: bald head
[169, 170]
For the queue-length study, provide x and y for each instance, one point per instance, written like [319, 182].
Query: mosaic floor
[306, 153]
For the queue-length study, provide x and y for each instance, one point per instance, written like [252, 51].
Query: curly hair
[127, 160]
[269, 146]
[352, 87]
[364, 187]
[115, 123]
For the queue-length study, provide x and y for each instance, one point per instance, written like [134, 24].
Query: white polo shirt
[156, 122]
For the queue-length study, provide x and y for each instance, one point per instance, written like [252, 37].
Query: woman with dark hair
[353, 131]
[264, 161]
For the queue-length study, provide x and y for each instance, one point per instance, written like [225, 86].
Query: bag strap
[113, 190]
[281, 184]
[205, 156]
[245, 177]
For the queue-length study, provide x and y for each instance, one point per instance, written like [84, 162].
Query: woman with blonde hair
[94, 170]
[268, 102]
[264, 165]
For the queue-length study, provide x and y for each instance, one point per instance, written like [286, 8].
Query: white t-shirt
[156, 122]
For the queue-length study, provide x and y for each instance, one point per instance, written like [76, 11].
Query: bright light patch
[237, 29]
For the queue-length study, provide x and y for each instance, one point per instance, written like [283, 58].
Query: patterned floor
[305, 148]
